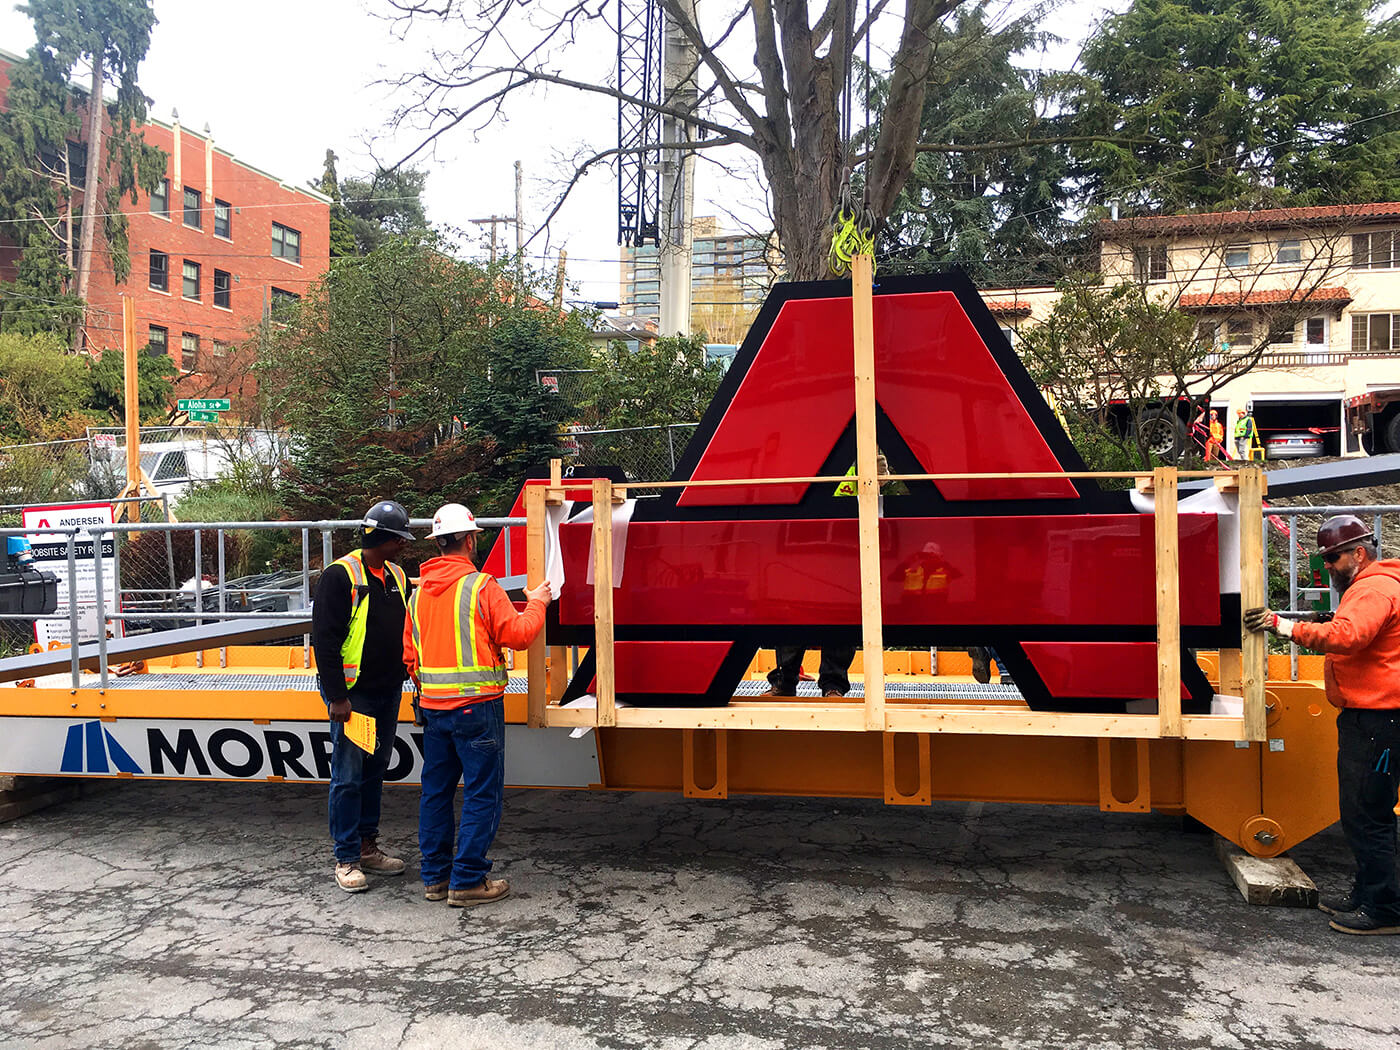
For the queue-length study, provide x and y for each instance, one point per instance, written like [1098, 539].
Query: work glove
[1268, 620]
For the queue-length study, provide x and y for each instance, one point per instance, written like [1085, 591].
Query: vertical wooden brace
[868, 491]
[1253, 595]
[534, 575]
[1168, 603]
[603, 602]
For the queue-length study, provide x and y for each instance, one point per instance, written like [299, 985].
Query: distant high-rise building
[730, 276]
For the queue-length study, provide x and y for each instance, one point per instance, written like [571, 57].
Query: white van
[175, 466]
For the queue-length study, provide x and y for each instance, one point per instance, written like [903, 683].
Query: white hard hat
[451, 519]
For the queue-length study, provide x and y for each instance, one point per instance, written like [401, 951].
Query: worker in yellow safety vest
[356, 627]
[1247, 434]
[459, 622]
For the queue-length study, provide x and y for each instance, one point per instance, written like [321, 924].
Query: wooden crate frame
[874, 714]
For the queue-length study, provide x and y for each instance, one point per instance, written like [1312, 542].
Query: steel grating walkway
[895, 689]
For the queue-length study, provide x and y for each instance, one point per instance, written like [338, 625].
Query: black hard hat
[387, 516]
[1342, 532]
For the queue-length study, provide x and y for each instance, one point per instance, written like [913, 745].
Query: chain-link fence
[643, 453]
[175, 459]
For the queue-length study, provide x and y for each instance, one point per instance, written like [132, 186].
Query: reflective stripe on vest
[470, 675]
[353, 648]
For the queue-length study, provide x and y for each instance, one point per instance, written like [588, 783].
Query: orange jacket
[1362, 642]
[497, 622]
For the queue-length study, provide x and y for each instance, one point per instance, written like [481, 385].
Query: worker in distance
[356, 626]
[1362, 677]
[459, 622]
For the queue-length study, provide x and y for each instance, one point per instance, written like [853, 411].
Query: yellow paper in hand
[361, 729]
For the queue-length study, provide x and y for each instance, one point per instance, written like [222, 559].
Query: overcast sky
[279, 81]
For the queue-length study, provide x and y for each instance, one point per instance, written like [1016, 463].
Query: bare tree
[788, 107]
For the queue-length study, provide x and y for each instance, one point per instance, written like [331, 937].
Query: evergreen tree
[111, 38]
[40, 178]
[1242, 104]
[995, 213]
[342, 236]
[384, 205]
[420, 384]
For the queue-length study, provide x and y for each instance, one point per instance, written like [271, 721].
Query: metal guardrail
[199, 614]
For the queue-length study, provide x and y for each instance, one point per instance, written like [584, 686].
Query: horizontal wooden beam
[904, 718]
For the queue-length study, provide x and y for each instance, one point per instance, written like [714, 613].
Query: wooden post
[603, 602]
[132, 397]
[558, 676]
[868, 491]
[534, 574]
[1253, 595]
[1168, 603]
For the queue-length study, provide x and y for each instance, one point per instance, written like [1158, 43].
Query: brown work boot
[435, 891]
[484, 892]
[833, 692]
[350, 878]
[774, 690]
[373, 859]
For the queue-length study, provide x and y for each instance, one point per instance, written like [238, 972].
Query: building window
[158, 341]
[160, 199]
[286, 242]
[1150, 262]
[279, 300]
[160, 271]
[1290, 251]
[1239, 333]
[1375, 333]
[189, 351]
[222, 290]
[191, 280]
[220, 348]
[1281, 333]
[223, 219]
[1316, 331]
[192, 203]
[1375, 251]
[1237, 256]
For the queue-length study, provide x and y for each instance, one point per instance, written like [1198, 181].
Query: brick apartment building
[213, 252]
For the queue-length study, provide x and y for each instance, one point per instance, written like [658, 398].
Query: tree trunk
[91, 203]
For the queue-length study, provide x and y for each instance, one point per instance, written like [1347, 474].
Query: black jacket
[381, 665]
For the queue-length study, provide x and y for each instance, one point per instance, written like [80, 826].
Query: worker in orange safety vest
[459, 621]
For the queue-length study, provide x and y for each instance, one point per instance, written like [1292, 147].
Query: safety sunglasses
[1332, 557]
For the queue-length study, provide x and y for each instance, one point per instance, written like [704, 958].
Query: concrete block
[1275, 881]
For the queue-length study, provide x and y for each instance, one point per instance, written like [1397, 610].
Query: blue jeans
[467, 745]
[357, 778]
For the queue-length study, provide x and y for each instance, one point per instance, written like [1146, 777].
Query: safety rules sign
[51, 555]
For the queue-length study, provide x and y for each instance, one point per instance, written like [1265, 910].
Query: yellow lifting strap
[850, 234]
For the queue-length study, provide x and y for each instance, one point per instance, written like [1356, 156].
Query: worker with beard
[1362, 677]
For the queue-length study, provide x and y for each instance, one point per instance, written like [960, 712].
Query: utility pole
[559, 282]
[519, 215]
[493, 220]
[677, 179]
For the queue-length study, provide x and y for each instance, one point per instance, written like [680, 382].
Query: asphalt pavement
[172, 915]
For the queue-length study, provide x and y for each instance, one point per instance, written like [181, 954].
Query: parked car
[1293, 444]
